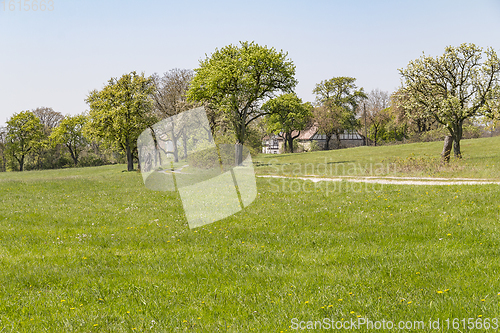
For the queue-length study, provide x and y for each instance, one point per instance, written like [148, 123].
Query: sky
[55, 58]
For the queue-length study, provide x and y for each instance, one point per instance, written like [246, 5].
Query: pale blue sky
[55, 58]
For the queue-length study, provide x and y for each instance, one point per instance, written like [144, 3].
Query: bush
[209, 158]
[91, 160]
[314, 146]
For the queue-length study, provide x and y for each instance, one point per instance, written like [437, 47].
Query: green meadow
[93, 250]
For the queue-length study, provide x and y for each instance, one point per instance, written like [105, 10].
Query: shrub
[91, 160]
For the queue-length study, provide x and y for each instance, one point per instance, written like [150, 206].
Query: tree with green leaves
[452, 88]
[69, 133]
[24, 134]
[337, 101]
[236, 80]
[3, 157]
[287, 116]
[120, 112]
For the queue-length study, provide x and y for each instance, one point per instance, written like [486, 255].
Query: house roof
[308, 133]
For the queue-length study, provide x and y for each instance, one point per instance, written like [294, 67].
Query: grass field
[481, 159]
[93, 250]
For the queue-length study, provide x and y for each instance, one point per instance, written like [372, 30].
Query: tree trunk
[448, 142]
[174, 142]
[290, 141]
[21, 163]
[337, 136]
[130, 161]
[184, 144]
[456, 140]
[238, 153]
[327, 144]
[73, 155]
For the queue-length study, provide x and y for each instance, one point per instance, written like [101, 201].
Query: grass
[480, 160]
[93, 250]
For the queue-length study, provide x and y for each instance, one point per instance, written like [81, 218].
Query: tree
[45, 156]
[236, 80]
[287, 115]
[120, 112]
[453, 87]
[69, 132]
[24, 133]
[337, 100]
[3, 141]
[410, 116]
[377, 112]
[48, 117]
[170, 99]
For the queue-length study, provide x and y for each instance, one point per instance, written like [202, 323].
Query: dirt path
[395, 180]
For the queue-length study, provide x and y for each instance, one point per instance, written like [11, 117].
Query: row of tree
[39, 137]
[248, 89]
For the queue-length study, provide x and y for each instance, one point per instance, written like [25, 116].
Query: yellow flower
[439, 292]
[307, 302]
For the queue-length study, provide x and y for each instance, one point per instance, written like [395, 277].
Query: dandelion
[483, 300]
[307, 302]
[340, 299]
[439, 291]
[479, 316]
[330, 306]
[352, 312]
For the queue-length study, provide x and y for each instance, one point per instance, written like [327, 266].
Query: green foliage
[286, 114]
[314, 146]
[24, 134]
[337, 99]
[120, 112]
[453, 87]
[236, 79]
[69, 132]
[90, 160]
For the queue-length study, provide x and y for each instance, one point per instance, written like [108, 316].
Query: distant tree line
[248, 92]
